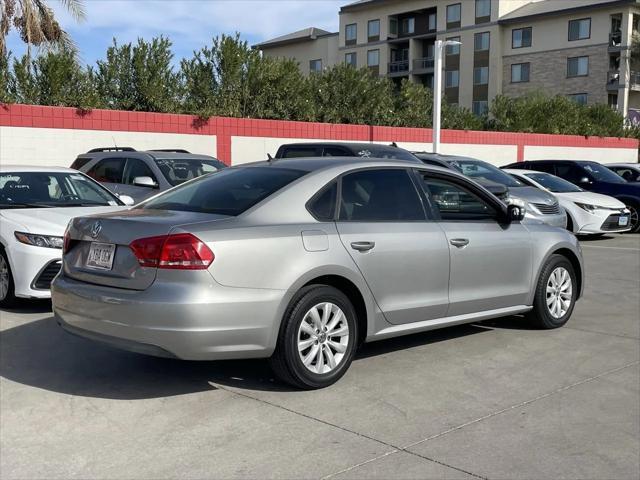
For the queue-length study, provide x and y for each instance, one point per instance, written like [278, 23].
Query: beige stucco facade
[408, 53]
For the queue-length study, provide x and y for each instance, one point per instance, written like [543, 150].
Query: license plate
[101, 255]
[623, 221]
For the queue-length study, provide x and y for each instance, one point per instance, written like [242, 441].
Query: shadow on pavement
[29, 306]
[42, 355]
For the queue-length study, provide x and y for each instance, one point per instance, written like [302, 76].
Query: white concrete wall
[60, 147]
[602, 155]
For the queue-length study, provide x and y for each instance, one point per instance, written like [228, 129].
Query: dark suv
[594, 177]
[141, 174]
[344, 149]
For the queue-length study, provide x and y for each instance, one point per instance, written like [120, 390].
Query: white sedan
[588, 213]
[36, 204]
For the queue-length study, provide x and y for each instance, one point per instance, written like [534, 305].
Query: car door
[490, 260]
[109, 172]
[136, 168]
[402, 255]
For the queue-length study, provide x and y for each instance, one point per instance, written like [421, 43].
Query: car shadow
[28, 306]
[42, 355]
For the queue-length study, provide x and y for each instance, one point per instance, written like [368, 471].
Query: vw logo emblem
[96, 229]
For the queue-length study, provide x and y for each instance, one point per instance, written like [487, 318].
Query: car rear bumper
[200, 321]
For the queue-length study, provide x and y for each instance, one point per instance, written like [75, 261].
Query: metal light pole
[439, 47]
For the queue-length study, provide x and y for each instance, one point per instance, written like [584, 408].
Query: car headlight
[46, 241]
[587, 207]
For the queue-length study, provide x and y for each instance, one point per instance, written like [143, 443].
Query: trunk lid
[120, 229]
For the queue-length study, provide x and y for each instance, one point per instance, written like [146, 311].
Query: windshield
[601, 173]
[229, 192]
[179, 170]
[478, 169]
[51, 189]
[375, 151]
[552, 183]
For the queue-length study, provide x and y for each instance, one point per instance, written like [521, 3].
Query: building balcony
[614, 83]
[634, 81]
[421, 65]
[615, 42]
[399, 68]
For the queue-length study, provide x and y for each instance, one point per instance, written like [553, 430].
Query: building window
[579, 98]
[373, 30]
[481, 41]
[432, 22]
[480, 107]
[520, 72]
[521, 37]
[481, 75]
[453, 15]
[315, 65]
[408, 26]
[577, 67]
[453, 49]
[373, 58]
[579, 29]
[483, 10]
[351, 34]
[452, 78]
[393, 26]
[351, 59]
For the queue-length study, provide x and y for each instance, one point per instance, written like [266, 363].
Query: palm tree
[36, 24]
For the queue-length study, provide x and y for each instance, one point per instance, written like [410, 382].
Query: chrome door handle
[459, 242]
[363, 246]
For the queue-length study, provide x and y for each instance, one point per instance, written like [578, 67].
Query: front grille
[43, 281]
[611, 223]
[545, 209]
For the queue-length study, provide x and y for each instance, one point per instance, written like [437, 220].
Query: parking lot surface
[489, 400]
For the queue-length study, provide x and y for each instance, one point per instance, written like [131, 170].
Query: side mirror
[584, 181]
[145, 182]
[515, 213]
[127, 200]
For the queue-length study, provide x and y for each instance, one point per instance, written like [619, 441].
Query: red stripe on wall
[225, 128]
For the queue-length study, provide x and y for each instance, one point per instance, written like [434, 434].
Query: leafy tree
[414, 104]
[6, 78]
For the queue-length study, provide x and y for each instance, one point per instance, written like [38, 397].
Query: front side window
[385, 195]
[137, 168]
[109, 170]
[579, 29]
[177, 171]
[600, 172]
[521, 37]
[351, 59]
[577, 67]
[481, 75]
[453, 14]
[315, 65]
[481, 41]
[373, 58]
[454, 202]
[477, 169]
[452, 78]
[483, 9]
[373, 30]
[231, 191]
[351, 34]
[453, 49]
[520, 72]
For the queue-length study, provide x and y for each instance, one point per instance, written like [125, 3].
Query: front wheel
[555, 295]
[634, 220]
[317, 339]
[7, 297]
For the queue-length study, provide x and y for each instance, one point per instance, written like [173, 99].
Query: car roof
[156, 154]
[524, 171]
[622, 164]
[350, 145]
[35, 169]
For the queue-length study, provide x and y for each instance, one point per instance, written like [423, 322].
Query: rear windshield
[229, 192]
[178, 171]
[477, 170]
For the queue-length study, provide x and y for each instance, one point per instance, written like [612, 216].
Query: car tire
[556, 285]
[304, 353]
[7, 288]
[634, 218]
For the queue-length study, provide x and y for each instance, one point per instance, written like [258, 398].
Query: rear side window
[109, 170]
[323, 206]
[336, 152]
[542, 167]
[299, 152]
[231, 191]
[80, 162]
[385, 195]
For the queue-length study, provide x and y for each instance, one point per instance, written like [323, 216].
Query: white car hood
[591, 199]
[51, 221]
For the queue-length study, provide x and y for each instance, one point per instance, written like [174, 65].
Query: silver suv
[142, 174]
[302, 260]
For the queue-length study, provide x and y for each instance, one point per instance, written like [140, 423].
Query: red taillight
[180, 251]
[66, 241]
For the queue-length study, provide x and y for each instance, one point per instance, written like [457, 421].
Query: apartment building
[578, 48]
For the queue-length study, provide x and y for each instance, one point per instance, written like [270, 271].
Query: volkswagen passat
[302, 260]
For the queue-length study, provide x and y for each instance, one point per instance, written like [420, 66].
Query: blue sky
[190, 24]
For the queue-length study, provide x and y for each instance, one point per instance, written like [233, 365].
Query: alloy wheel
[4, 278]
[323, 337]
[633, 218]
[559, 292]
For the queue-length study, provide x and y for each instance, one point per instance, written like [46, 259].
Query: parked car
[344, 149]
[36, 204]
[302, 260]
[539, 205]
[142, 174]
[629, 171]
[588, 213]
[594, 177]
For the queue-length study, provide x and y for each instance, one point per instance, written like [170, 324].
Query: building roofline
[357, 5]
[564, 11]
[288, 40]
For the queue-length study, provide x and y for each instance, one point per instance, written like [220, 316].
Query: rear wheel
[634, 220]
[556, 294]
[317, 338]
[7, 297]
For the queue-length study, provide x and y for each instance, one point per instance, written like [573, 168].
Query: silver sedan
[302, 260]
